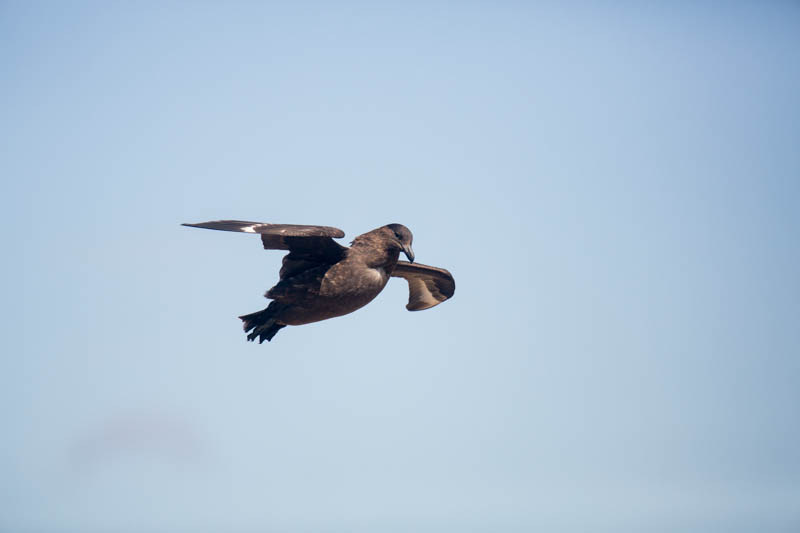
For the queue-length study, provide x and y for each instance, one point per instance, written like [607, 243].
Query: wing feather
[274, 236]
[427, 286]
[309, 246]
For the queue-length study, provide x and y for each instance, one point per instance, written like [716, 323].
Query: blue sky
[614, 187]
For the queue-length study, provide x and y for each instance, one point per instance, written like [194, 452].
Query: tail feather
[262, 323]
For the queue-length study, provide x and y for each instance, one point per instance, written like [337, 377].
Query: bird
[321, 279]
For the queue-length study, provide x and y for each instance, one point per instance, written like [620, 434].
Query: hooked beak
[409, 252]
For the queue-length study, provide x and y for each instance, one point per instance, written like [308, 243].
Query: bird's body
[321, 279]
[328, 291]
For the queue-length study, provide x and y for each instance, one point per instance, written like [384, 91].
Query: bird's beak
[409, 252]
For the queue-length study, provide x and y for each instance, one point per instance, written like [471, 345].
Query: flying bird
[322, 279]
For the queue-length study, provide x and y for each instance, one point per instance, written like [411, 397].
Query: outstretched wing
[309, 246]
[427, 285]
[274, 236]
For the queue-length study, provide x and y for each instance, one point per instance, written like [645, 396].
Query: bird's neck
[375, 255]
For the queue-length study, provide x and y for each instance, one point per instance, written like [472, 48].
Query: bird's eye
[398, 236]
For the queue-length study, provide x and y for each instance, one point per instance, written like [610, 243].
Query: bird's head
[400, 237]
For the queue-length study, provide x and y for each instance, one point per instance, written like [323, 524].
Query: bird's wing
[309, 246]
[427, 285]
[274, 236]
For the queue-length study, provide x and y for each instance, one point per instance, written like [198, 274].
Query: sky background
[614, 187]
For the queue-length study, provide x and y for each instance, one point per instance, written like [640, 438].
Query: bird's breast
[378, 275]
[343, 280]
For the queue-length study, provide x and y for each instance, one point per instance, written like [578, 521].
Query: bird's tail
[262, 323]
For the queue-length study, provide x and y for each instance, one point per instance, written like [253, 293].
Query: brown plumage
[321, 279]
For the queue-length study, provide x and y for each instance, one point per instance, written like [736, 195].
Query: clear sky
[614, 187]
